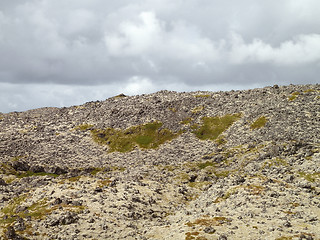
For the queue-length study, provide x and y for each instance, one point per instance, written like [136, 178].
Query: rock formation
[168, 165]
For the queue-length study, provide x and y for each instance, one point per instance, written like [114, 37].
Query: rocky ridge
[259, 178]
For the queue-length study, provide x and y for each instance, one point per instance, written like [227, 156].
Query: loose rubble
[258, 179]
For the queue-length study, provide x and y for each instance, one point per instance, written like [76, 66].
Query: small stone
[2, 182]
[209, 230]
[287, 224]
[19, 225]
[10, 233]
[222, 237]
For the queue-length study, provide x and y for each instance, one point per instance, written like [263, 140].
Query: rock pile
[254, 176]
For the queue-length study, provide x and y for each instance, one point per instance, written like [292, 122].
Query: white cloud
[137, 85]
[150, 37]
[303, 49]
[183, 44]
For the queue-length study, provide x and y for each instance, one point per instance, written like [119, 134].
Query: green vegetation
[83, 127]
[202, 96]
[173, 109]
[197, 109]
[30, 174]
[212, 127]
[146, 136]
[9, 170]
[309, 90]
[226, 195]
[284, 238]
[37, 210]
[95, 171]
[259, 123]
[221, 140]
[274, 162]
[293, 96]
[186, 121]
[215, 221]
[311, 177]
[203, 165]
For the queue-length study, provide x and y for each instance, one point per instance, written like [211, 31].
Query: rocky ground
[256, 176]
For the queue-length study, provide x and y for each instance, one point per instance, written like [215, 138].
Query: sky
[67, 52]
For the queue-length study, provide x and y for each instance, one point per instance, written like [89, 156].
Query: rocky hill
[168, 165]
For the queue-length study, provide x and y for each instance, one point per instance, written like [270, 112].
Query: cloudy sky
[67, 52]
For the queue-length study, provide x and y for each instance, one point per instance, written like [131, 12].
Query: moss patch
[146, 136]
[206, 222]
[278, 162]
[293, 96]
[311, 177]
[37, 210]
[259, 123]
[186, 121]
[197, 109]
[202, 96]
[212, 127]
[9, 170]
[83, 127]
[203, 165]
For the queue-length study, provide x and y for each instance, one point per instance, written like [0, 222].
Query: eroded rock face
[243, 182]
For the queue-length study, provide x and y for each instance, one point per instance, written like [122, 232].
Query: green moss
[259, 123]
[169, 168]
[73, 179]
[30, 174]
[203, 165]
[293, 96]
[103, 183]
[202, 96]
[38, 210]
[197, 109]
[173, 109]
[7, 169]
[95, 171]
[223, 174]
[116, 168]
[212, 127]
[199, 185]
[311, 177]
[83, 127]
[278, 162]
[146, 136]
[284, 238]
[309, 90]
[206, 222]
[221, 140]
[186, 121]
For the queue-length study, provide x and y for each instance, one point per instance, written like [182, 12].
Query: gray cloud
[147, 45]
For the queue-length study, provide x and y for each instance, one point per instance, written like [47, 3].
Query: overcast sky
[67, 52]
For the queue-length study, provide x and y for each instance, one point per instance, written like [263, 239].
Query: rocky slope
[168, 165]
